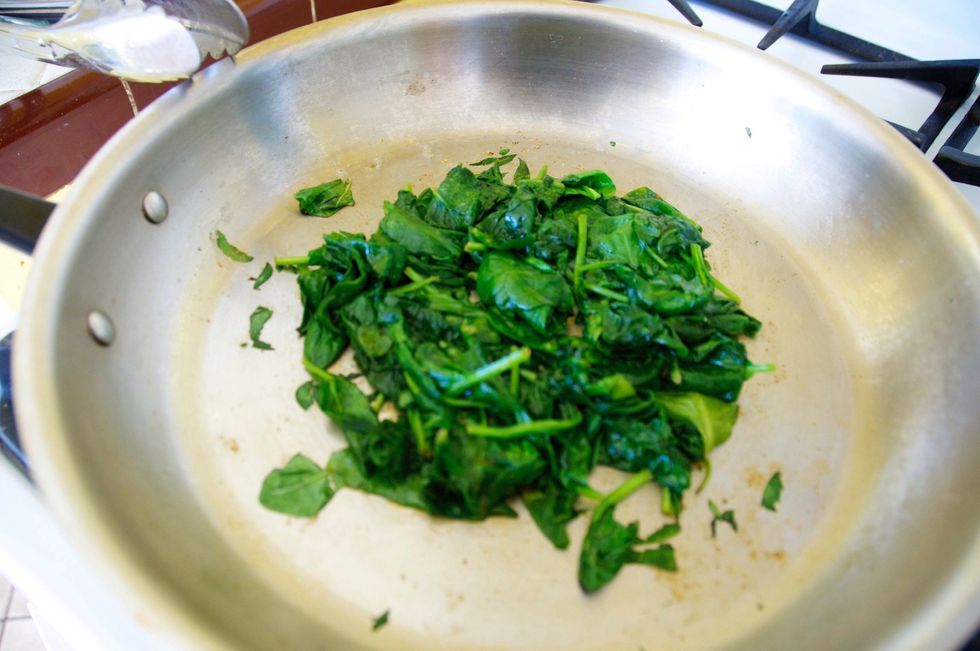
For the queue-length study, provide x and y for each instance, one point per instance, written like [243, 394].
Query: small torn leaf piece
[263, 276]
[663, 533]
[256, 322]
[522, 173]
[380, 620]
[772, 492]
[325, 199]
[299, 488]
[306, 394]
[230, 249]
[719, 516]
[504, 158]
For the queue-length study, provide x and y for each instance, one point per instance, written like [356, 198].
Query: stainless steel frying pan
[150, 428]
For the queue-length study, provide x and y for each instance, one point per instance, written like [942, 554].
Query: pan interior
[500, 584]
[853, 255]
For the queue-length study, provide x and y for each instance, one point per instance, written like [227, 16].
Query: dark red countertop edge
[48, 134]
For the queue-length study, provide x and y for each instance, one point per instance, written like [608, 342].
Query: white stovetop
[36, 556]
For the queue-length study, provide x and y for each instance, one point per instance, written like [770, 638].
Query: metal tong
[139, 40]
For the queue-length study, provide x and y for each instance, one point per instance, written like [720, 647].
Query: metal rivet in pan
[155, 207]
[101, 328]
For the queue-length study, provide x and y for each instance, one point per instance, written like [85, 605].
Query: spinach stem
[474, 246]
[583, 237]
[298, 261]
[656, 258]
[543, 173]
[752, 369]
[720, 286]
[493, 369]
[524, 429]
[699, 266]
[411, 287]
[316, 371]
[608, 293]
[587, 491]
[413, 275]
[415, 421]
[667, 504]
[621, 492]
[697, 255]
[515, 380]
[602, 264]
[462, 402]
[707, 476]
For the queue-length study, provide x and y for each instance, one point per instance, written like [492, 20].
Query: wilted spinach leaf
[380, 620]
[265, 275]
[230, 249]
[256, 322]
[299, 488]
[773, 491]
[325, 199]
[717, 515]
[306, 394]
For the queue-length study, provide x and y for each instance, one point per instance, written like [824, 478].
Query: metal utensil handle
[9, 439]
[22, 217]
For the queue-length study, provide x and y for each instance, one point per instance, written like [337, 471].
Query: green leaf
[504, 158]
[720, 516]
[408, 491]
[299, 488]
[595, 180]
[552, 510]
[522, 173]
[256, 322]
[380, 620]
[419, 237]
[665, 532]
[609, 545]
[230, 249]
[306, 394]
[325, 199]
[265, 275]
[772, 492]
[713, 418]
[514, 285]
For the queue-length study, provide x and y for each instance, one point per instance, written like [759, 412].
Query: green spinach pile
[525, 332]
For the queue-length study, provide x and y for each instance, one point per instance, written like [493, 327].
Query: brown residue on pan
[755, 479]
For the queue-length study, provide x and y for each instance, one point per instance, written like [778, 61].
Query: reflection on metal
[129, 94]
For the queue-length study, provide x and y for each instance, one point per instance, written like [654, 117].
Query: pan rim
[950, 618]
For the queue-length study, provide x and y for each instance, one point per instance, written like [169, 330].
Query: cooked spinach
[773, 491]
[717, 515]
[263, 276]
[609, 545]
[525, 333]
[256, 322]
[380, 620]
[230, 249]
[325, 199]
[299, 488]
